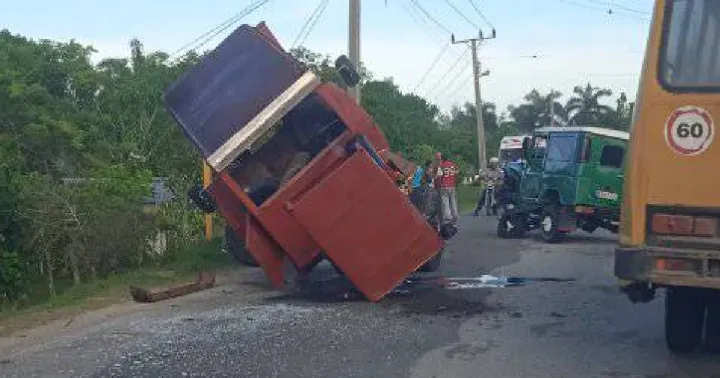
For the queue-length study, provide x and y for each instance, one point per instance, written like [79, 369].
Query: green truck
[570, 178]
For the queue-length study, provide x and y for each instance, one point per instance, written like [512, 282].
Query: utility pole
[354, 44]
[477, 73]
[207, 180]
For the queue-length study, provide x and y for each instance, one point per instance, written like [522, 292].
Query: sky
[539, 44]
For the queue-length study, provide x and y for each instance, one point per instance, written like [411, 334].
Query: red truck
[301, 172]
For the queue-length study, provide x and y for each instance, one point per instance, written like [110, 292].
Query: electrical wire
[596, 7]
[469, 21]
[421, 21]
[452, 81]
[448, 71]
[212, 33]
[619, 6]
[457, 89]
[310, 23]
[432, 65]
[477, 9]
[431, 18]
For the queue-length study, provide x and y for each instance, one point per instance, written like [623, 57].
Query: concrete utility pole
[477, 73]
[354, 43]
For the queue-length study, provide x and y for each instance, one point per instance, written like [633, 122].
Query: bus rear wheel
[712, 322]
[684, 319]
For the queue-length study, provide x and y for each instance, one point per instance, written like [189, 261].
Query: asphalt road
[583, 328]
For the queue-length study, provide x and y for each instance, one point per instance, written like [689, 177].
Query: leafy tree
[585, 107]
[537, 110]
[621, 117]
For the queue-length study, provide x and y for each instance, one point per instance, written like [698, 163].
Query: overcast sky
[575, 41]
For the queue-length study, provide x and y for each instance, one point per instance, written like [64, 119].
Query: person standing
[447, 184]
[418, 187]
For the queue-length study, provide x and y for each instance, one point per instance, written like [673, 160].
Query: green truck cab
[571, 178]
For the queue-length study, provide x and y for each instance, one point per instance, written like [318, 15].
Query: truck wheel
[589, 227]
[712, 322]
[549, 225]
[434, 263]
[684, 313]
[510, 227]
[236, 247]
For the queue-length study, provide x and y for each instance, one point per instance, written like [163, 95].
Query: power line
[453, 80]
[431, 18]
[448, 2]
[595, 7]
[420, 20]
[310, 23]
[457, 89]
[212, 33]
[460, 58]
[432, 65]
[620, 6]
[477, 9]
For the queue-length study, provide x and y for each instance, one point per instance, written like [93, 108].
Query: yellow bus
[669, 236]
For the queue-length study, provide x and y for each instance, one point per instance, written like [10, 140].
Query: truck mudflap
[366, 226]
[668, 267]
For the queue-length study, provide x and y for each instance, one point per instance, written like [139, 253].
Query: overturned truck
[301, 172]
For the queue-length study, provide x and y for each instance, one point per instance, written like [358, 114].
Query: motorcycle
[490, 203]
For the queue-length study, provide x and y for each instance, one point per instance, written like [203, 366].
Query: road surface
[242, 328]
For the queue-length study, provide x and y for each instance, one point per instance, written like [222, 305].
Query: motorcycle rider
[492, 175]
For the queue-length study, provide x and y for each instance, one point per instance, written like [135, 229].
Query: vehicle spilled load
[569, 178]
[301, 172]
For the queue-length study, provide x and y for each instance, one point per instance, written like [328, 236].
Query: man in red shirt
[447, 181]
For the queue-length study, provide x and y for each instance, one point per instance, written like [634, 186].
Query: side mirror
[347, 71]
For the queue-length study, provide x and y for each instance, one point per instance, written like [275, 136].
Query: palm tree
[585, 108]
[537, 110]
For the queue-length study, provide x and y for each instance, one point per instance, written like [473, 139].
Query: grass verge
[91, 295]
[468, 196]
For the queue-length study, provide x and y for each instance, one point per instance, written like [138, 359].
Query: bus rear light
[674, 265]
[706, 227]
[672, 224]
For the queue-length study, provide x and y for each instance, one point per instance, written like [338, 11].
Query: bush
[13, 276]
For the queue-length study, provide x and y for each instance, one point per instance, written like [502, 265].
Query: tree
[537, 110]
[585, 107]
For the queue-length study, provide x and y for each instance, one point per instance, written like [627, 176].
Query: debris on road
[338, 288]
[484, 281]
[205, 280]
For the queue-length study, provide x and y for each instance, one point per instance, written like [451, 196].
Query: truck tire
[236, 247]
[504, 230]
[684, 315]
[433, 265]
[549, 224]
[712, 321]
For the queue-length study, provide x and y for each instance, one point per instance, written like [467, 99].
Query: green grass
[468, 196]
[39, 307]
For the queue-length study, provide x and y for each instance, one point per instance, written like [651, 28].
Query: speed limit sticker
[689, 130]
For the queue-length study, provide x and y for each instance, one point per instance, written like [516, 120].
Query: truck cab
[571, 179]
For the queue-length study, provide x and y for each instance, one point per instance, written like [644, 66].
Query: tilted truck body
[301, 171]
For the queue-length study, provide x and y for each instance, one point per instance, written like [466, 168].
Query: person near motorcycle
[491, 177]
